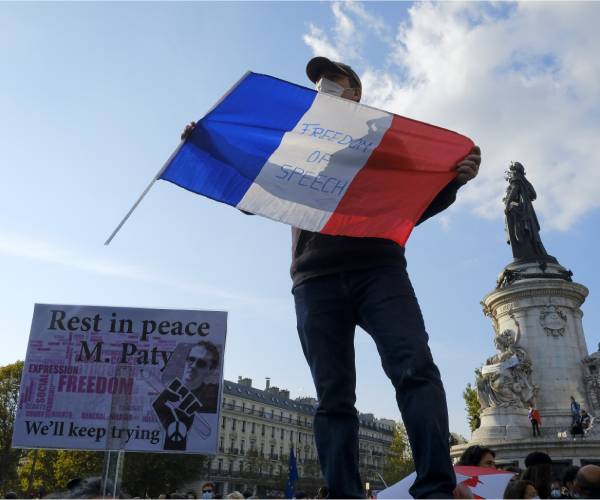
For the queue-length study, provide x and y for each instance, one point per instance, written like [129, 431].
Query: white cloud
[319, 42]
[35, 249]
[520, 79]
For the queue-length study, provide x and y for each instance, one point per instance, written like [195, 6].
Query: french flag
[316, 161]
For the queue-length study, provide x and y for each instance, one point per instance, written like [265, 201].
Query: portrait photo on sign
[198, 366]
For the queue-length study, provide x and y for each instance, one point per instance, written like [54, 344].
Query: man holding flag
[340, 282]
[352, 206]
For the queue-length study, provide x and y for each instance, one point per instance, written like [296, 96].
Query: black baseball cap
[318, 66]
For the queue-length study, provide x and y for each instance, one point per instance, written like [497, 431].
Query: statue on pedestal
[522, 226]
[505, 379]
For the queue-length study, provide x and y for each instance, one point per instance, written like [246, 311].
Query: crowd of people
[209, 492]
[540, 479]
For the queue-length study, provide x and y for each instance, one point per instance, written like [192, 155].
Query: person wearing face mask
[555, 490]
[208, 490]
[340, 282]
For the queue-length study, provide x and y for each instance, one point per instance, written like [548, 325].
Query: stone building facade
[258, 429]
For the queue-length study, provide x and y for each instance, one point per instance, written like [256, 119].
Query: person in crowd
[577, 428]
[556, 490]
[587, 482]
[568, 479]
[190, 494]
[89, 487]
[247, 494]
[586, 420]
[535, 419]
[208, 490]
[539, 472]
[519, 488]
[235, 494]
[574, 411]
[479, 456]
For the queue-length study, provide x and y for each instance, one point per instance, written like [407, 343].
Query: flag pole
[166, 164]
[154, 179]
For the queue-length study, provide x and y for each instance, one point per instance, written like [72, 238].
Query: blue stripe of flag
[230, 145]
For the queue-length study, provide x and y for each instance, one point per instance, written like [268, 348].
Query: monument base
[498, 424]
[567, 451]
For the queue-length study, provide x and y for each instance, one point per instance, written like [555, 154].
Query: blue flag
[292, 475]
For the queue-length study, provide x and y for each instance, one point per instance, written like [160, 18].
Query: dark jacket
[316, 254]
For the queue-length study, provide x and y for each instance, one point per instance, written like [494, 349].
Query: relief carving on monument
[553, 321]
[591, 378]
[505, 378]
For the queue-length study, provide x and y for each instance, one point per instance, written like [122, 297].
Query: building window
[223, 423]
[262, 449]
[221, 443]
[291, 436]
[299, 437]
[273, 431]
[263, 430]
[243, 426]
[272, 414]
[242, 446]
[272, 450]
[282, 433]
[262, 411]
[220, 464]
[253, 427]
[233, 424]
[232, 445]
[280, 451]
[253, 409]
[243, 407]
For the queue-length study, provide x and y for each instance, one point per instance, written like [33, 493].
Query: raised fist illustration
[176, 408]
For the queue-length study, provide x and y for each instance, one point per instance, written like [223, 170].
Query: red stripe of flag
[412, 164]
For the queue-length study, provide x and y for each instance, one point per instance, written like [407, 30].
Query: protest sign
[115, 378]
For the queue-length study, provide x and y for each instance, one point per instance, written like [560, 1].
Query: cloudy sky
[93, 97]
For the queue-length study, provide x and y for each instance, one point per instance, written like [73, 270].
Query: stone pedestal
[546, 313]
[567, 451]
[540, 304]
[499, 424]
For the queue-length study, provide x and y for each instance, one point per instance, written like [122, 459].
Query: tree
[70, 464]
[472, 406]
[399, 462]
[36, 472]
[10, 381]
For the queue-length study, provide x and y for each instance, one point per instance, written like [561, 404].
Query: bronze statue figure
[522, 226]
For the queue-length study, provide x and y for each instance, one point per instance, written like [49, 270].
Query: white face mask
[326, 86]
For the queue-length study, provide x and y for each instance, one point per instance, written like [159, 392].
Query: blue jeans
[383, 303]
